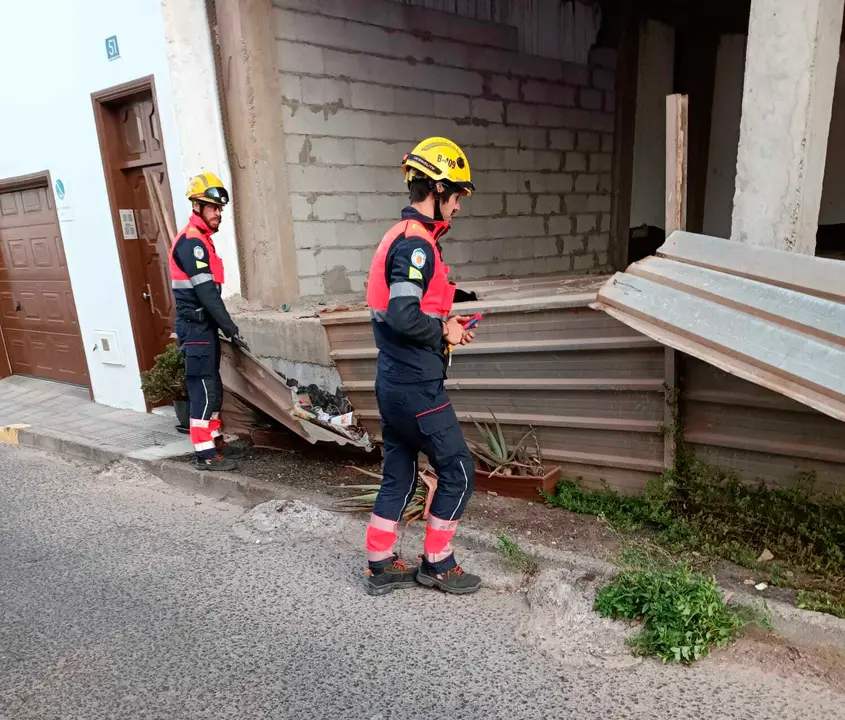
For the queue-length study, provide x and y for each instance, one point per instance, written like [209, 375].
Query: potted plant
[516, 471]
[165, 382]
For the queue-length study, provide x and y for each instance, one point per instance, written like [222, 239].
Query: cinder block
[548, 93]
[306, 262]
[607, 143]
[585, 223]
[597, 243]
[368, 68]
[561, 139]
[547, 205]
[457, 253]
[488, 251]
[290, 86]
[504, 87]
[560, 225]
[590, 99]
[332, 151]
[491, 110]
[604, 223]
[610, 102]
[450, 106]
[549, 116]
[516, 249]
[601, 162]
[298, 150]
[311, 286]
[589, 141]
[584, 262]
[575, 162]
[574, 204]
[559, 183]
[586, 120]
[533, 182]
[519, 65]
[519, 159]
[573, 74]
[586, 183]
[350, 259]
[604, 79]
[606, 183]
[319, 91]
[519, 114]
[497, 182]
[469, 229]
[310, 235]
[531, 226]
[599, 203]
[486, 158]
[335, 207]
[544, 246]
[315, 178]
[300, 207]
[381, 207]
[484, 204]
[353, 124]
[366, 96]
[518, 204]
[295, 57]
[380, 154]
[519, 137]
[572, 245]
[601, 259]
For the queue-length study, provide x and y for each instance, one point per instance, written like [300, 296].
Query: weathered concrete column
[790, 72]
[252, 102]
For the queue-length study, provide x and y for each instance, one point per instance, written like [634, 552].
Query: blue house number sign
[112, 50]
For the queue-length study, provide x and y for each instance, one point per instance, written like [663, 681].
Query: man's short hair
[419, 189]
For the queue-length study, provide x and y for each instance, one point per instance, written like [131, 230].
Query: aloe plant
[499, 458]
[417, 508]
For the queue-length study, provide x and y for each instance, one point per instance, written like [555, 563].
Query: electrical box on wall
[107, 347]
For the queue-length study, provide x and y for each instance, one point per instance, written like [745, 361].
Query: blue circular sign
[60, 189]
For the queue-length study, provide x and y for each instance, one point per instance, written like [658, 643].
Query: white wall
[724, 141]
[655, 80]
[54, 57]
[724, 135]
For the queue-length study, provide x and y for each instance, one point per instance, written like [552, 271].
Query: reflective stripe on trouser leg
[438, 539]
[215, 425]
[381, 537]
[201, 437]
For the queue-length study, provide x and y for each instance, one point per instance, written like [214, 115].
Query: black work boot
[215, 464]
[454, 580]
[395, 576]
[229, 451]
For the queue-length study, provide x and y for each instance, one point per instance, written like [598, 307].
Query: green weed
[515, 556]
[682, 612]
[820, 601]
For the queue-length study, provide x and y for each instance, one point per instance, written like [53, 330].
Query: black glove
[239, 342]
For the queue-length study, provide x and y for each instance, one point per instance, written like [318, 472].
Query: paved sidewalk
[64, 414]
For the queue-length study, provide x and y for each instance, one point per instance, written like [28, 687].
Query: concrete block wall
[364, 80]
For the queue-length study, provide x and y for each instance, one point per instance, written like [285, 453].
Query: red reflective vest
[196, 229]
[437, 299]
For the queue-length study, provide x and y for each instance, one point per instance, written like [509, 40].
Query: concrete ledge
[65, 447]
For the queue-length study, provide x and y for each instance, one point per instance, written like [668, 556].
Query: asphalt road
[123, 598]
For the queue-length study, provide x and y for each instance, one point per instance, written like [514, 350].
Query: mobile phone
[472, 322]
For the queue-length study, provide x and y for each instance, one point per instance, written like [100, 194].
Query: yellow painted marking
[9, 434]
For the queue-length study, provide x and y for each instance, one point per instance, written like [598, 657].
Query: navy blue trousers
[419, 418]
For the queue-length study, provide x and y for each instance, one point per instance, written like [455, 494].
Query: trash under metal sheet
[249, 379]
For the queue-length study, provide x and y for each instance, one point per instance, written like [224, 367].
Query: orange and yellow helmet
[441, 160]
[208, 188]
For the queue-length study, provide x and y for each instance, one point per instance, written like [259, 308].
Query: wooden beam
[677, 140]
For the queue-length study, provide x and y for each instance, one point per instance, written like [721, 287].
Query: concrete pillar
[790, 72]
[252, 101]
[193, 87]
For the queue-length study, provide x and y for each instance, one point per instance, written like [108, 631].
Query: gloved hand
[239, 342]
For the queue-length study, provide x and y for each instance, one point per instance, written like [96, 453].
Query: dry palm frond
[417, 508]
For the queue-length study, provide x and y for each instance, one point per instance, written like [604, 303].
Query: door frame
[19, 183]
[99, 100]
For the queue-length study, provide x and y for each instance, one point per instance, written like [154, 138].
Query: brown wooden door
[134, 156]
[38, 317]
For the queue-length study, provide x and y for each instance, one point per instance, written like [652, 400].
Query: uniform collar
[197, 222]
[437, 228]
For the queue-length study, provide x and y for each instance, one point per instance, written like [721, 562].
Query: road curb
[65, 447]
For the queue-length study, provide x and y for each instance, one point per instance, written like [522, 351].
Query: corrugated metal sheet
[558, 29]
[773, 318]
[591, 386]
[758, 433]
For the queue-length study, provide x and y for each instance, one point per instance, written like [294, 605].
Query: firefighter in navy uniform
[196, 272]
[410, 300]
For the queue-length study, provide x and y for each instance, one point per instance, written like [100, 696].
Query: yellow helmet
[207, 187]
[440, 160]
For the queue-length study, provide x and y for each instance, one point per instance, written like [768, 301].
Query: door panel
[37, 312]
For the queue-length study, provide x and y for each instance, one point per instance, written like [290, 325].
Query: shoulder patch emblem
[414, 274]
[199, 253]
[418, 258]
